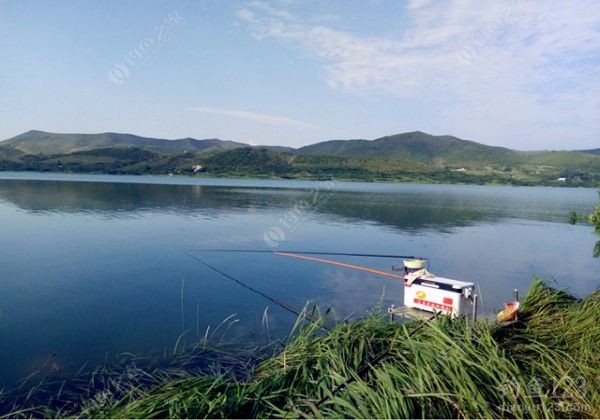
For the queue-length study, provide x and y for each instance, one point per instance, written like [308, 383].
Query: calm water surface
[93, 266]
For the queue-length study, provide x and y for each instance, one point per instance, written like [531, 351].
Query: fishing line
[346, 254]
[277, 302]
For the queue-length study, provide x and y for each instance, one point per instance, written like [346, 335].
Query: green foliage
[7, 152]
[416, 146]
[545, 366]
[415, 157]
[248, 160]
[575, 164]
[40, 142]
[594, 219]
[574, 217]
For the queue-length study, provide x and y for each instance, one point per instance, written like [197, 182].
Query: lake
[92, 266]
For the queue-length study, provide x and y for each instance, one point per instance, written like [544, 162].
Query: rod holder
[516, 300]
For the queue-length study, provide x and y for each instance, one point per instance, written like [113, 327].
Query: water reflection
[408, 210]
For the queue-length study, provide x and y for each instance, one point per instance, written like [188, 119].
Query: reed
[546, 365]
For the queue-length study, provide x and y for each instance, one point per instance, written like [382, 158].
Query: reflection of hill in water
[401, 211]
[122, 199]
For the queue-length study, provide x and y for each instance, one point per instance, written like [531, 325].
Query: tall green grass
[546, 365]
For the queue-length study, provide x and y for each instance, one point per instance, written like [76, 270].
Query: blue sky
[519, 73]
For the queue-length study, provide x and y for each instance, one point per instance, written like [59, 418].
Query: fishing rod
[344, 254]
[297, 254]
[340, 264]
[277, 302]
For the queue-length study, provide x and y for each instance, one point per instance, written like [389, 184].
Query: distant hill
[415, 146]
[591, 152]
[414, 156]
[35, 142]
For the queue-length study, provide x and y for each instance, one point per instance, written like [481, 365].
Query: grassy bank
[546, 365]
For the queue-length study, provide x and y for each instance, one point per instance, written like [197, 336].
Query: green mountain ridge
[35, 142]
[413, 145]
[414, 156]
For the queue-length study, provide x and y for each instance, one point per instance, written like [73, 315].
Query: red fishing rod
[302, 255]
[344, 254]
[340, 264]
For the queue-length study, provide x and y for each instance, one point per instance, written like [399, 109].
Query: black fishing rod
[277, 302]
[345, 254]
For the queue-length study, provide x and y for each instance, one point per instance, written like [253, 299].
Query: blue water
[92, 266]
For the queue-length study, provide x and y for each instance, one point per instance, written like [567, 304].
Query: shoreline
[43, 176]
[543, 366]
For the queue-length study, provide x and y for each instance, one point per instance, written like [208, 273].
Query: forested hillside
[414, 156]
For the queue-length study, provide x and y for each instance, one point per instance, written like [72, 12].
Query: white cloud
[514, 67]
[255, 117]
[273, 11]
[247, 15]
